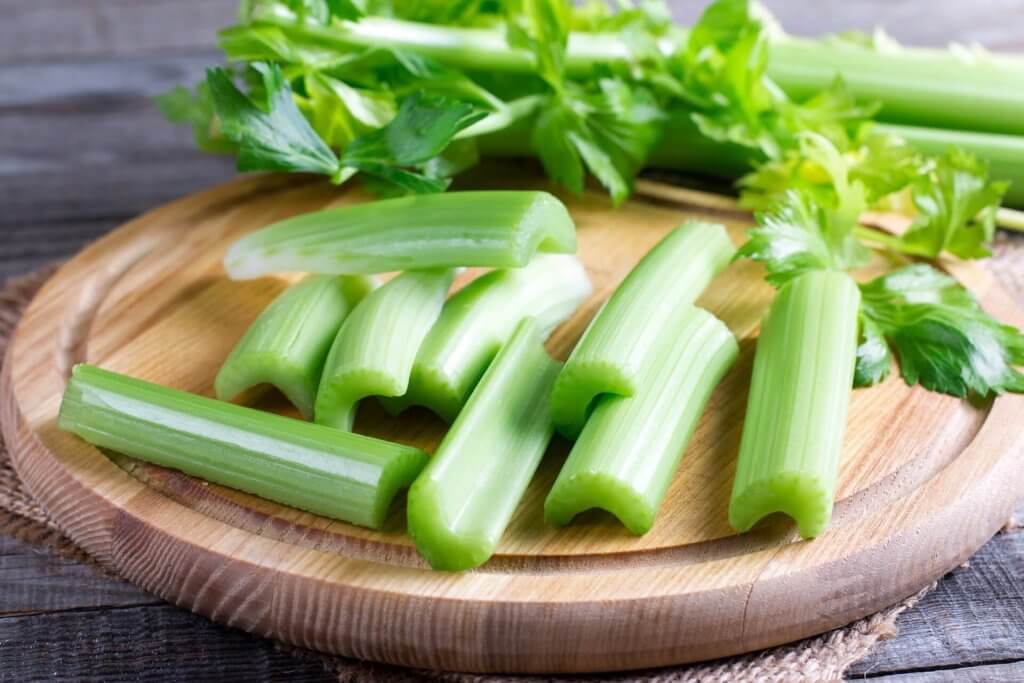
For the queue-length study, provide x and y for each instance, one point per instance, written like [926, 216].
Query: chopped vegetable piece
[287, 344]
[479, 319]
[311, 467]
[610, 356]
[376, 346]
[499, 229]
[796, 413]
[460, 505]
[630, 447]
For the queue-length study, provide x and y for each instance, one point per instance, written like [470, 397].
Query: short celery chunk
[314, 468]
[478, 319]
[630, 447]
[374, 351]
[632, 323]
[796, 412]
[287, 344]
[461, 504]
[500, 229]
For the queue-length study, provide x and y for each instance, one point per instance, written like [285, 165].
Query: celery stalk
[624, 459]
[462, 502]
[501, 229]
[610, 356]
[376, 346]
[479, 319]
[287, 344]
[796, 412]
[314, 468]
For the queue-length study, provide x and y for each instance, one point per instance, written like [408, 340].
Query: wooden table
[82, 149]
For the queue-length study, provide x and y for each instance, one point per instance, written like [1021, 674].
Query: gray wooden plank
[987, 673]
[144, 643]
[975, 616]
[35, 580]
[49, 29]
[27, 247]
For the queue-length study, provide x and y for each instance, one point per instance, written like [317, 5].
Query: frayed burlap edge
[822, 658]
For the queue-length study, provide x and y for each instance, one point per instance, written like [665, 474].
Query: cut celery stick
[499, 229]
[632, 322]
[459, 507]
[796, 412]
[479, 319]
[287, 344]
[376, 346]
[336, 474]
[630, 447]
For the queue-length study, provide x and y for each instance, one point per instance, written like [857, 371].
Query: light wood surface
[925, 480]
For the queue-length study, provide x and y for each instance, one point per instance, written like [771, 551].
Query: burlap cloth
[822, 658]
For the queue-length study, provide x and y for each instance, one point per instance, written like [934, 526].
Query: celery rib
[462, 502]
[796, 412]
[630, 447]
[377, 344]
[336, 474]
[501, 229]
[479, 319]
[287, 344]
[632, 322]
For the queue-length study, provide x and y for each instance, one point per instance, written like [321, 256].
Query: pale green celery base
[803, 498]
[434, 391]
[337, 401]
[588, 490]
[254, 369]
[578, 386]
[443, 548]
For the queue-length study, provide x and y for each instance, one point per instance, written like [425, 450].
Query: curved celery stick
[796, 413]
[376, 346]
[630, 447]
[287, 344]
[479, 318]
[499, 229]
[632, 322]
[315, 468]
[459, 507]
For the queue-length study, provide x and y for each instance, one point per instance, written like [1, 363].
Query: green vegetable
[314, 468]
[287, 344]
[796, 411]
[499, 229]
[462, 502]
[478, 319]
[374, 351]
[630, 448]
[633, 323]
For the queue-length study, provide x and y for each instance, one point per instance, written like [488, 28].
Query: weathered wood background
[82, 149]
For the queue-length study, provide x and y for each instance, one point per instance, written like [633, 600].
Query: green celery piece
[478, 319]
[462, 502]
[287, 344]
[796, 412]
[308, 466]
[376, 346]
[501, 229]
[630, 447]
[632, 323]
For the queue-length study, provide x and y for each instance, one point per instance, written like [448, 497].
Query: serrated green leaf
[181, 105]
[874, 359]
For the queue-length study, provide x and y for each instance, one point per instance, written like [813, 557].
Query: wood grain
[151, 299]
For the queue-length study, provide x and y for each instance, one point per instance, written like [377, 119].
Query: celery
[314, 468]
[460, 505]
[796, 412]
[376, 346]
[632, 323]
[502, 229]
[630, 447]
[287, 344]
[477, 321]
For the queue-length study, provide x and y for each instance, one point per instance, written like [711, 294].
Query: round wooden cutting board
[925, 479]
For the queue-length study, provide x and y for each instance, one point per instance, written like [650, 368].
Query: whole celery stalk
[314, 468]
[462, 502]
[287, 344]
[796, 412]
